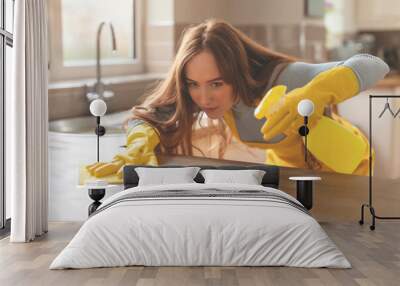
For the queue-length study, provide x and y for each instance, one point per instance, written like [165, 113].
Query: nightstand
[96, 193]
[305, 190]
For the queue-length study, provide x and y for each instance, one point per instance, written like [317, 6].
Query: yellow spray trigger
[272, 97]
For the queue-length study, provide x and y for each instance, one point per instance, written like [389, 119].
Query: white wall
[385, 130]
[8, 83]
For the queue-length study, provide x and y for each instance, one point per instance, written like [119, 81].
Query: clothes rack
[369, 205]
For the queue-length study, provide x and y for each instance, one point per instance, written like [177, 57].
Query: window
[314, 8]
[6, 43]
[73, 27]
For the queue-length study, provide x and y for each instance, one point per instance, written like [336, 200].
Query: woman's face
[206, 86]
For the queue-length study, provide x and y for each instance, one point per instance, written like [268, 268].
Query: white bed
[185, 230]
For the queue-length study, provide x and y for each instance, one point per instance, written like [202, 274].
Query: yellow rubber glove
[331, 86]
[336, 146]
[102, 169]
[141, 142]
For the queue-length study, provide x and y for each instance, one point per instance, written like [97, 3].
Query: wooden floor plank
[375, 258]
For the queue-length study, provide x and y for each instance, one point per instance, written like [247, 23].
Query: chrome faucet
[99, 87]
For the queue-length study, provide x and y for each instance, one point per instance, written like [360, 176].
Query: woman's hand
[101, 169]
[329, 87]
[141, 142]
[282, 115]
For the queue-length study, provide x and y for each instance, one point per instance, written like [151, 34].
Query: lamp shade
[305, 107]
[98, 107]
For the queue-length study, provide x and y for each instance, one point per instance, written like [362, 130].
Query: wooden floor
[375, 257]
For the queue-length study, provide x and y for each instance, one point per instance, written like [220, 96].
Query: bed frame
[270, 179]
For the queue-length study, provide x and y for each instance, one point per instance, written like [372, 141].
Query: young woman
[221, 72]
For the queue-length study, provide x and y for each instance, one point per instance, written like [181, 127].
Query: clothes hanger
[387, 107]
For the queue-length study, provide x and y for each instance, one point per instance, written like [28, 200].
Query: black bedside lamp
[98, 108]
[97, 189]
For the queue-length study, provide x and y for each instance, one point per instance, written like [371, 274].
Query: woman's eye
[217, 84]
[191, 84]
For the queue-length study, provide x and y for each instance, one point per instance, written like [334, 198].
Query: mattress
[201, 225]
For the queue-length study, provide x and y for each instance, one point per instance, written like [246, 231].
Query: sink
[87, 124]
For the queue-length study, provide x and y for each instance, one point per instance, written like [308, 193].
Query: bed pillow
[249, 177]
[162, 176]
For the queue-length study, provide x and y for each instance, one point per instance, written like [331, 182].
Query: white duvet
[200, 231]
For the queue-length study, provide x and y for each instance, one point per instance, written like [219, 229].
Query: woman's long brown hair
[243, 63]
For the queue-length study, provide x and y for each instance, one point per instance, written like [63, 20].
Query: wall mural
[225, 90]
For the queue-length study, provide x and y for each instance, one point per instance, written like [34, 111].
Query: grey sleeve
[368, 69]
[161, 113]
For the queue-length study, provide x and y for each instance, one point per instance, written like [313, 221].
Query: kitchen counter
[391, 81]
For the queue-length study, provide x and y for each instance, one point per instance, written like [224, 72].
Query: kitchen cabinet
[377, 14]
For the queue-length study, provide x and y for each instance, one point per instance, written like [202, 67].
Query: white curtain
[27, 123]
